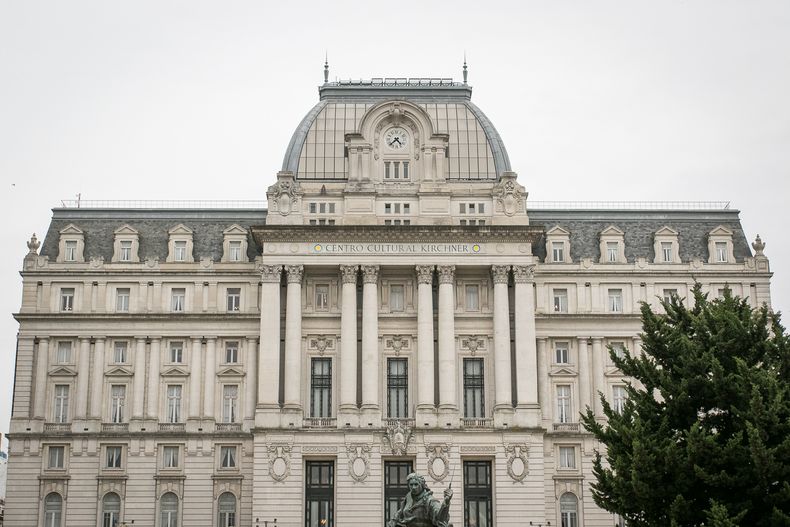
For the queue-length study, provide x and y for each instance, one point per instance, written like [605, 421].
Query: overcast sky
[628, 100]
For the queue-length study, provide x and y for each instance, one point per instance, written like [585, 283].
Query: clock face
[396, 138]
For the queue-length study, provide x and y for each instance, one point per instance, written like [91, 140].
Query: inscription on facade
[397, 248]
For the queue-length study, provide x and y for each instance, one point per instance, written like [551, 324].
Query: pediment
[562, 372]
[721, 230]
[231, 372]
[235, 229]
[174, 372]
[71, 229]
[119, 371]
[180, 229]
[126, 229]
[558, 231]
[613, 371]
[611, 230]
[63, 371]
[666, 231]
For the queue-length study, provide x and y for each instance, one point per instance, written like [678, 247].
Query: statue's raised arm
[420, 509]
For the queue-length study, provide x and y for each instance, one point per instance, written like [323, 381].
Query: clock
[396, 138]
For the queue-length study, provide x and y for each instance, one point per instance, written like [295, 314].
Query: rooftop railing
[162, 204]
[397, 81]
[628, 205]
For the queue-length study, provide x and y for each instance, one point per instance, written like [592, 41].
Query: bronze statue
[420, 509]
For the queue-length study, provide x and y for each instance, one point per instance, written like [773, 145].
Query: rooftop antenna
[465, 72]
[326, 68]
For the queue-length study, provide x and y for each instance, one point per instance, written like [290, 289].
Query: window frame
[117, 404]
[564, 403]
[230, 403]
[113, 457]
[228, 457]
[320, 388]
[561, 346]
[233, 299]
[178, 299]
[473, 385]
[321, 297]
[560, 299]
[121, 305]
[476, 493]
[614, 300]
[68, 296]
[397, 388]
[401, 306]
[174, 403]
[320, 494]
[61, 403]
[232, 352]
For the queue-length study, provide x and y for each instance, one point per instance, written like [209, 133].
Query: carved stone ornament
[371, 273]
[473, 343]
[500, 273]
[509, 194]
[34, 244]
[438, 464]
[517, 464]
[271, 273]
[358, 461]
[152, 263]
[424, 274]
[523, 274]
[284, 194]
[279, 461]
[758, 245]
[96, 262]
[295, 273]
[446, 274]
[398, 437]
[349, 273]
[321, 343]
[397, 343]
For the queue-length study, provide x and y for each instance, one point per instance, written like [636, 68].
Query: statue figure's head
[416, 484]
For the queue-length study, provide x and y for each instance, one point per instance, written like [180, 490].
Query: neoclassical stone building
[399, 306]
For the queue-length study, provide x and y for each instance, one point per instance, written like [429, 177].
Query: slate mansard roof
[207, 225]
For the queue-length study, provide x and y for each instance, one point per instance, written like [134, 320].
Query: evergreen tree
[704, 437]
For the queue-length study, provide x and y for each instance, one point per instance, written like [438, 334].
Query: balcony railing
[171, 427]
[319, 422]
[477, 422]
[115, 427]
[57, 428]
[403, 421]
[566, 427]
[228, 427]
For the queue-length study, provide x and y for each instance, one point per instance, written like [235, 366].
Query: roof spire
[326, 67]
[465, 72]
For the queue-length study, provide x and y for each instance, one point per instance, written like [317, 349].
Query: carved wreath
[358, 461]
[437, 452]
[279, 461]
[517, 464]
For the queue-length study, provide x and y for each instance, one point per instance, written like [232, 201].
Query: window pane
[397, 388]
[321, 388]
[472, 297]
[474, 402]
[396, 298]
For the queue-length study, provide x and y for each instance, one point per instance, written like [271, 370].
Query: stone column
[97, 378]
[370, 345]
[585, 374]
[250, 387]
[527, 407]
[153, 379]
[426, 410]
[139, 379]
[42, 360]
[293, 340]
[211, 378]
[448, 373]
[597, 374]
[269, 350]
[83, 378]
[348, 411]
[543, 378]
[503, 400]
[195, 377]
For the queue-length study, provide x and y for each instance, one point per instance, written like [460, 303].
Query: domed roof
[317, 147]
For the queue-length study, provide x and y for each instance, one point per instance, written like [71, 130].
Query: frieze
[319, 449]
[478, 449]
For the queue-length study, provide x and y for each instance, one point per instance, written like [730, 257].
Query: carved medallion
[517, 464]
[398, 437]
[284, 194]
[358, 461]
[509, 194]
[438, 464]
[279, 461]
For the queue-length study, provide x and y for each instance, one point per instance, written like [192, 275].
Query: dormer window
[126, 251]
[720, 246]
[612, 245]
[721, 252]
[612, 248]
[71, 245]
[180, 251]
[665, 246]
[557, 252]
[126, 245]
[558, 245]
[180, 244]
[234, 244]
[71, 251]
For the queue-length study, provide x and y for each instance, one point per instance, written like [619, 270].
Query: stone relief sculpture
[420, 509]
[398, 437]
[284, 194]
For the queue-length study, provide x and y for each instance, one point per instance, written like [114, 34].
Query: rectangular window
[234, 251]
[126, 251]
[71, 251]
[563, 403]
[619, 349]
[462, 208]
[234, 299]
[319, 494]
[67, 299]
[331, 208]
[117, 402]
[386, 169]
[721, 252]
[560, 300]
[180, 250]
[320, 387]
[176, 352]
[558, 251]
[481, 208]
[322, 297]
[113, 456]
[478, 510]
[64, 352]
[120, 353]
[56, 457]
[611, 251]
[666, 251]
[178, 299]
[567, 457]
[61, 410]
[397, 388]
[405, 170]
[170, 455]
[618, 398]
[474, 400]
[397, 208]
[230, 403]
[231, 352]
[561, 354]
[615, 300]
[122, 300]
[396, 297]
[173, 403]
[395, 486]
[322, 208]
[471, 208]
[669, 293]
[312, 208]
[388, 208]
[406, 208]
[472, 297]
[227, 457]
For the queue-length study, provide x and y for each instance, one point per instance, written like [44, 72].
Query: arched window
[53, 510]
[568, 514]
[168, 510]
[110, 510]
[227, 510]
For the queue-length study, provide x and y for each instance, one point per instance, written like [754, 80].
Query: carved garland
[438, 463]
[517, 464]
[358, 461]
[279, 461]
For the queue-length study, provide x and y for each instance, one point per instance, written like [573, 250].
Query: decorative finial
[465, 72]
[326, 68]
[758, 246]
[33, 244]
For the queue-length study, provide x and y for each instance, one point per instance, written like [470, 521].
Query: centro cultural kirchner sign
[396, 248]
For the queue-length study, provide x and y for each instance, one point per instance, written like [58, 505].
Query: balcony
[477, 422]
[228, 427]
[406, 422]
[566, 427]
[171, 427]
[115, 428]
[319, 422]
[57, 428]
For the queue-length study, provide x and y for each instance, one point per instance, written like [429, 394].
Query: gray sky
[627, 100]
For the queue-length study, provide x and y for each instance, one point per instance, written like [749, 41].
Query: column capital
[424, 274]
[500, 273]
[271, 273]
[349, 273]
[446, 274]
[524, 274]
[295, 273]
[371, 273]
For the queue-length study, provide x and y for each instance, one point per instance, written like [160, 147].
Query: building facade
[398, 306]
